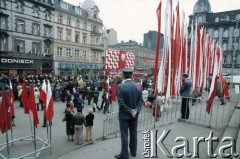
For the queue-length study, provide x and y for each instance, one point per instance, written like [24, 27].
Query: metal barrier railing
[219, 116]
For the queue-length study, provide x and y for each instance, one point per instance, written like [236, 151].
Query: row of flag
[205, 55]
[28, 100]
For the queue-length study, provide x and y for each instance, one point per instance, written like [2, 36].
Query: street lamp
[234, 51]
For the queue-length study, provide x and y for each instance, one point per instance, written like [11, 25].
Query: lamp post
[234, 51]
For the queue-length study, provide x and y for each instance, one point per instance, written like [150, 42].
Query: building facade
[150, 40]
[223, 28]
[111, 37]
[144, 57]
[78, 46]
[26, 36]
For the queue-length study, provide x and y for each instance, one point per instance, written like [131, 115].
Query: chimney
[122, 41]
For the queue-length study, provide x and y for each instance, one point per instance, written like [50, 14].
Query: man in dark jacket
[129, 95]
[78, 121]
[185, 93]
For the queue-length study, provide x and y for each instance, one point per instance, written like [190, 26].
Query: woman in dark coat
[89, 120]
[69, 124]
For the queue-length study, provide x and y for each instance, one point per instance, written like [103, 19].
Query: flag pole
[11, 127]
[50, 141]
[8, 154]
[35, 144]
[30, 118]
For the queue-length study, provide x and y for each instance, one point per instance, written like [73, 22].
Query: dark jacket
[79, 119]
[89, 119]
[185, 90]
[129, 95]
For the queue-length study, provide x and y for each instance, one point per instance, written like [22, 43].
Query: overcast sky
[132, 18]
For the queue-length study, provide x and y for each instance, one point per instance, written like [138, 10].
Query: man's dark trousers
[185, 108]
[132, 125]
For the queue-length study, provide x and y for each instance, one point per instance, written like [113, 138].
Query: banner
[117, 60]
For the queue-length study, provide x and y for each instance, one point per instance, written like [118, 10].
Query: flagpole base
[45, 145]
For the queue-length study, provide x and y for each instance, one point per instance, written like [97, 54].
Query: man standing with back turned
[185, 93]
[130, 102]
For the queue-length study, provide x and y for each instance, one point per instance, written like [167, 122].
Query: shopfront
[23, 66]
[69, 68]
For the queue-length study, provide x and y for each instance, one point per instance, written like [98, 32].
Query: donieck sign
[16, 61]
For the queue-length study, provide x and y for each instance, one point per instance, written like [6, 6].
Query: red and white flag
[49, 104]
[12, 111]
[32, 106]
[213, 87]
[43, 95]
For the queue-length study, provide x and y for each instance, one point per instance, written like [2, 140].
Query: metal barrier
[219, 116]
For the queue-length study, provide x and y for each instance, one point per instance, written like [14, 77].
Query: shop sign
[17, 61]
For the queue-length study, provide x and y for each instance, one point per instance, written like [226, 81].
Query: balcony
[93, 32]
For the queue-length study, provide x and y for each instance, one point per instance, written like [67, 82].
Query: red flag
[159, 10]
[49, 104]
[24, 98]
[32, 106]
[43, 95]
[114, 91]
[122, 59]
[213, 93]
[5, 123]
[12, 111]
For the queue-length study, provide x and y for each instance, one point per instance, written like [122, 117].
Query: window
[48, 31]
[238, 59]
[78, 10]
[237, 16]
[97, 40]
[236, 32]
[84, 54]
[19, 7]
[19, 46]
[215, 34]
[3, 43]
[47, 49]
[59, 51]
[20, 26]
[236, 45]
[64, 5]
[69, 21]
[226, 33]
[77, 24]
[69, 32]
[2, 3]
[85, 25]
[36, 48]
[35, 29]
[225, 46]
[59, 33]
[229, 59]
[36, 11]
[84, 38]
[217, 19]
[68, 52]
[77, 35]
[3, 22]
[48, 15]
[77, 53]
[94, 55]
[60, 18]
[227, 18]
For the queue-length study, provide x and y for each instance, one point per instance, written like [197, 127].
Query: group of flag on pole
[28, 99]
[205, 55]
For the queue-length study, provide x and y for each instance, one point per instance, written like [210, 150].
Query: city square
[123, 79]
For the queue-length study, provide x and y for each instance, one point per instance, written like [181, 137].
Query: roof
[71, 8]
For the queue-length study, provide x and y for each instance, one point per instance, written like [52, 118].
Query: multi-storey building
[26, 36]
[223, 28]
[111, 37]
[150, 40]
[144, 57]
[78, 44]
